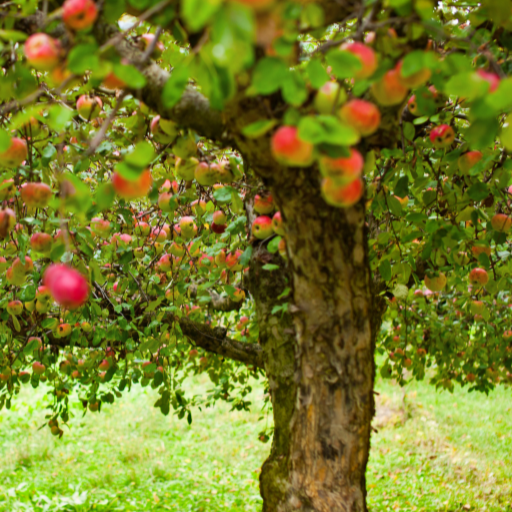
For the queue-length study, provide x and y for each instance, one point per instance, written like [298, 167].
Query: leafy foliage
[435, 166]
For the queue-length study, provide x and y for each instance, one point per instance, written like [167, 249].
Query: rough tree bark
[277, 339]
[336, 318]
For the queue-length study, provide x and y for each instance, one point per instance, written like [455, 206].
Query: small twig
[98, 138]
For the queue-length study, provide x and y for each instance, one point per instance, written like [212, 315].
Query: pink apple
[67, 286]
[288, 149]
[442, 136]
[41, 242]
[15, 154]
[344, 195]
[79, 14]
[478, 277]
[132, 189]
[329, 98]
[344, 169]
[262, 227]
[361, 115]
[469, 160]
[89, 107]
[42, 52]
[366, 56]
[277, 224]
[389, 91]
[263, 204]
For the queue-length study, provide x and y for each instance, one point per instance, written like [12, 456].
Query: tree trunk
[329, 431]
[277, 339]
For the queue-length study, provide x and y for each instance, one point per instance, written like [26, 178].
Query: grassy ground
[439, 452]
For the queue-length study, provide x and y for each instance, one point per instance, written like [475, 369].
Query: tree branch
[214, 339]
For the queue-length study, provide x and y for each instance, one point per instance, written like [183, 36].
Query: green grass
[446, 453]
[439, 452]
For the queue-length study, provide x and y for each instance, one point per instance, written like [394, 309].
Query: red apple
[501, 222]
[7, 222]
[36, 195]
[344, 169]
[15, 307]
[42, 52]
[342, 195]
[219, 218]
[414, 80]
[263, 205]
[366, 56]
[442, 136]
[164, 201]
[329, 97]
[205, 174]
[67, 286]
[79, 14]
[38, 368]
[262, 227]
[389, 91]
[88, 108]
[277, 224]
[41, 242]
[469, 160]
[163, 130]
[288, 149]
[361, 115]
[132, 189]
[15, 154]
[100, 227]
[188, 228]
[478, 277]
[491, 78]
[435, 283]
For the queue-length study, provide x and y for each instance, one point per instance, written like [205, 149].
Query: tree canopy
[252, 188]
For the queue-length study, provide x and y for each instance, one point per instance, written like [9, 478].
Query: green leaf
[13, 35]
[84, 57]
[58, 117]
[273, 245]
[105, 196]
[130, 75]
[223, 195]
[258, 128]
[141, 156]
[270, 267]
[317, 74]
[175, 86]
[385, 270]
[482, 133]
[466, 85]
[197, 13]
[402, 187]
[269, 74]
[344, 64]
[327, 129]
[294, 89]
[246, 256]
[416, 61]
[49, 323]
[5, 140]
[478, 191]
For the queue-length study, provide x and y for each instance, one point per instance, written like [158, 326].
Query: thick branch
[192, 111]
[211, 339]
[214, 339]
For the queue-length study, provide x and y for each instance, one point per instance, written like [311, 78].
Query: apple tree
[256, 189]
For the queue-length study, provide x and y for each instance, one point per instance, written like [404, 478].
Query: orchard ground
[433, 452]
